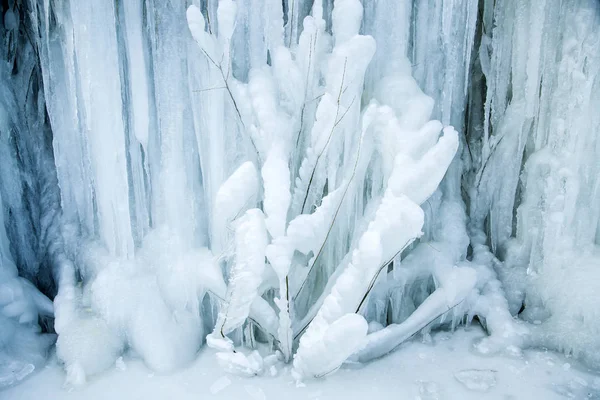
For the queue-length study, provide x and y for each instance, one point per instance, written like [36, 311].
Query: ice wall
[538, 176]
[28, 206]
[118, 132]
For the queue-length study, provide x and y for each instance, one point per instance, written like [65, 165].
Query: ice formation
[310, 182]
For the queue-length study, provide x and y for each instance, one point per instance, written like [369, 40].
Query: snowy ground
[416, 371]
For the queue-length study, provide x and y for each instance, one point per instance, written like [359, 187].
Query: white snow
[247, 273]
[318, 181]
[219, 385]
[477, 380]
[237, 194]
[415, 371]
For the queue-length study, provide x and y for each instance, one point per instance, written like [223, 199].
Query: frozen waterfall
[320, 180]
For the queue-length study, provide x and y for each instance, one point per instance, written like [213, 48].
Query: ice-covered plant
[343, 174]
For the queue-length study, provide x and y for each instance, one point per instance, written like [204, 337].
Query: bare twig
[337, 121]
[370, 287]
[485, 163]
[334, 218]
[385, 264]
[225, 78]
[305, 91]
[209, 89]
[222, 300]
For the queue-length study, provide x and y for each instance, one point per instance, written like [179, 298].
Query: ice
[23, 348]
[548, 226]
[382, 379]
[246, 275]
[120, 364]
[255, 392]
[312, 181]
[450, 293]
[87, 346]
[238, 363]
[220, 384]
[276, 177]
[477, 380]
[236, 194]
[429, 391]
[137, 62]
[346, 19]
[376, 247]
[320, 356]
[95, 46]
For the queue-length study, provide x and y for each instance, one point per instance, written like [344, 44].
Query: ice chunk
[238, 363]
[476, 379]
[120, 364]
[246, 275]
[87, 346]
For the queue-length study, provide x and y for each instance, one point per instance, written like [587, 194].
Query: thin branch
[237, 110]
[345, 112]
[210, 58]
[370, 287]
[485, 163]
[312, 175]
[208, 20]
[209, 89]
[305, 91]
[384, 265]
[333, 220]
[316, 98]
[222, 300]
[342, 83]
[337, 121]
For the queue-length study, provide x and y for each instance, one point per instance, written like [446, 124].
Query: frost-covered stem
[337, 121]
[383, 266]
[251, 318]
[313, 42]
[235, 105]
[335, 214]
[386, 340]
[285, 329]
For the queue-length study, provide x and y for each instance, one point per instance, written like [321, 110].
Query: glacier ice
[319, 180]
